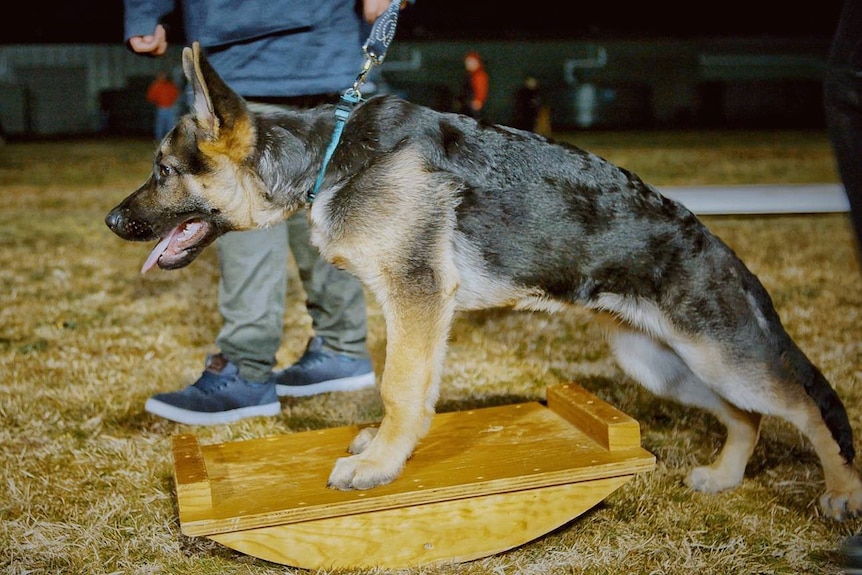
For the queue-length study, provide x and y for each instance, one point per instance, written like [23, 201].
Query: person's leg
[335, 298]
[336, 358]
[843, 107]
[237, 382]
[842, 101]
[251, 298]
[162, 123]
[157, 126]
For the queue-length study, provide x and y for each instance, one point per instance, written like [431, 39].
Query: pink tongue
[158, 251]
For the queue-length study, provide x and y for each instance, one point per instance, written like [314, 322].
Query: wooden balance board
[480, 482]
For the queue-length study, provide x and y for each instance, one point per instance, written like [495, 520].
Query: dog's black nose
[112, 220]
[122, 223]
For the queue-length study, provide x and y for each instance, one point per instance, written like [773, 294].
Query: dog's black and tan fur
[436, 213]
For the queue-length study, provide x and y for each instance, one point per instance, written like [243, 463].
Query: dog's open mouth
[179, 246]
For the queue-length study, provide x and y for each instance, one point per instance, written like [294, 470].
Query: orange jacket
[477, 81]
[163, 93]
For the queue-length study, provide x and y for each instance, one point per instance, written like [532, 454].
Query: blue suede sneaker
[321, 371]
[220, 395]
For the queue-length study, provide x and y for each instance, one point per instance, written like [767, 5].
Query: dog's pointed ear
[202, 105]
[216, 107]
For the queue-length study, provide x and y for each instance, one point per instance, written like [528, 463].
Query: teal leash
[342, 112]
[381, 35]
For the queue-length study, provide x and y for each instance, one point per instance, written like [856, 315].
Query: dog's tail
[831, 409]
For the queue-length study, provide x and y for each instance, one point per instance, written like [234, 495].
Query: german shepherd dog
[436, 213]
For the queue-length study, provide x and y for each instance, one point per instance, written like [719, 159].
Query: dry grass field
[86, 477]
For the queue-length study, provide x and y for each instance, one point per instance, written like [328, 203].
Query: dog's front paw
[710, 480]
[358, 472]
[841, 505]
[362, 440]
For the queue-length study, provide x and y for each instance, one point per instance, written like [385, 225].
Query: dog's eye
[165, 171]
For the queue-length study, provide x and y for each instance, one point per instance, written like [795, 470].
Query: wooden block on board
[606, 424]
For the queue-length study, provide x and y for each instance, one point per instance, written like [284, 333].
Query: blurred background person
[163, 93]
[474, 92]
[526, 105]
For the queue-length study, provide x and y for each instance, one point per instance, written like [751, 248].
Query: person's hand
[156, 44]
[371, 9]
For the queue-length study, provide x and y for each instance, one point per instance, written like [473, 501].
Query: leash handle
[382, 33]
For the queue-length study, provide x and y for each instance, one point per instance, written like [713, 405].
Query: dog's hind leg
[658, 368]
[663, 371]
[843, 495]
[728, 468]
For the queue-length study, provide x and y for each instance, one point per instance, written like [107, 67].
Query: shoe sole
[189, 417]
[344, 384]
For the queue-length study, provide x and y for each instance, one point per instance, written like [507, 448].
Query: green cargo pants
[252, 291]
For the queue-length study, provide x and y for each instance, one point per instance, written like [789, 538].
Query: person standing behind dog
[293, 53]
[163, 94]
[474, 91]
[842, 104]
[526, 105]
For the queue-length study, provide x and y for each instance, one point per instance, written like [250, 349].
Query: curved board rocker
[480, 482]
